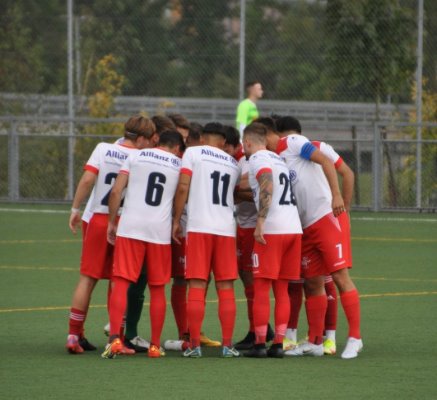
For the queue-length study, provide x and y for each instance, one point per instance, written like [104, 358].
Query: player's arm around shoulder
[114, 204]
[348, 181]
[180, 199]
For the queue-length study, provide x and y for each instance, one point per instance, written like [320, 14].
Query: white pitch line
[389, 219]
[28, 210]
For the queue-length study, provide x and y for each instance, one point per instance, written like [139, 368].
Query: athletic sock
[295, 292]
[135, 303]
[248, 291]
[179, 306]
[117, 304]
[261, 308]
[195, 314]
[331, 312]
[76, 321]
[291, 334]
[282, 309]
[351, 305]
[158, 306]
[330, 334]
[316, 310]
[227, 312]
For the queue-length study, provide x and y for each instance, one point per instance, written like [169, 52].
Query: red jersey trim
[263, 171]
[92, 169]
[282, 145]
[316, 143]
[126, 145]
[338, 163]
[124, 172]
[186, 171]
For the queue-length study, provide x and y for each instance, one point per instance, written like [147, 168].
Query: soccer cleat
[288, 344]
[106, 329]
[329, 347]
[126, 351]
[138, 344]
[113, 348]
[155, 352]
[230, 352]
[257, 351]
[207, 342]
[353, 347]
[87, 346]
[176, 345]
[73, 346]
[193, 353]
[306, 349]
[275, 351]
[247, 343]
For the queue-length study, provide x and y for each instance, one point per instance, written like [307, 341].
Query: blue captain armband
[306, 150]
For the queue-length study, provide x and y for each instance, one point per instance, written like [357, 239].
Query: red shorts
[131, 254]
[322, 248]
[178, 258]
[279, 258]
[97, 253]
[206, 252]
[84, 228]
[245, 241]
[345, 226]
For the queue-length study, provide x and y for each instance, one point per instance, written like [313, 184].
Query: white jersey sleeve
[214, 175]
[329, 152]
[147, 211]
[283, 217]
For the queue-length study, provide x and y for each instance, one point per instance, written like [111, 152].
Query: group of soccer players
[173, 199]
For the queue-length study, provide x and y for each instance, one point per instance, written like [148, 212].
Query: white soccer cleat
[306, 349]
[138, 341]
[175, 345]
[353, 347]
[106, 329]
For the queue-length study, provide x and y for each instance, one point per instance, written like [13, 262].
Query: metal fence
[40, 161]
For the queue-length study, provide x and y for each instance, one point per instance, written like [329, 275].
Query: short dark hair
[195, 131]
[172, 138]
[214, 128]
[251, 83]
[180, 121]
[163, 123]
[257, 131]
[288, 123]
[232, 136]
[268, 122]
[138, 125]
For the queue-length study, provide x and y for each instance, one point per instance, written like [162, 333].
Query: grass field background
[395, 269]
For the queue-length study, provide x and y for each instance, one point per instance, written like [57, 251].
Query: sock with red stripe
[351, 305]
[331, 312]
[117, 305]
[248, 291]
[76, 321]
[316, 311]
[261, 308]
[282, 309]
[295, 292]
[227, 312]
[158, 306]
[179, 306]
[195, 313]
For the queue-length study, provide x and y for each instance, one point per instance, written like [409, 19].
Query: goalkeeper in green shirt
[247, 111]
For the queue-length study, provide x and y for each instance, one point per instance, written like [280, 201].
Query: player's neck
[253, 99]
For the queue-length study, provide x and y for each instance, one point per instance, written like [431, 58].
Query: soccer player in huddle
[143, 234]
[319, 203]
[96, 260]
[277, 247]
[207, 181]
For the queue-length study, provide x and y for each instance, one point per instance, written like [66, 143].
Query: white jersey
[310, 186]
[329, 152]
[106, 161]
[283, 217]
[246, 210]
[147, 211]
[214, 175]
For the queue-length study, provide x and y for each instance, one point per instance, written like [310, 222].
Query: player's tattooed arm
[265, 182]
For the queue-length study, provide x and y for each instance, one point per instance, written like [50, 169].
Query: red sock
[195, 313]
[351, 306]
[117, 304]
[76, 321]
[179, 305]
[158, 306]
[227, 312]
[316, 310]
[331, 312]
[108, 295]
[261, 308]
[282, 309]
[248, 291]
[295, 292]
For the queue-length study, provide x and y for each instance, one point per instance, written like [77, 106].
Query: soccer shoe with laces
[113, 348]
[306, 349]
[138, 344]
[207, 342]
[353, 347]
[288, 344]
[247, 343]
[329, 347]
[257, 351]
[275, 351]
[86, 345]
[193, 353]
[73, 346]
[230, 352]
[155, 352]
